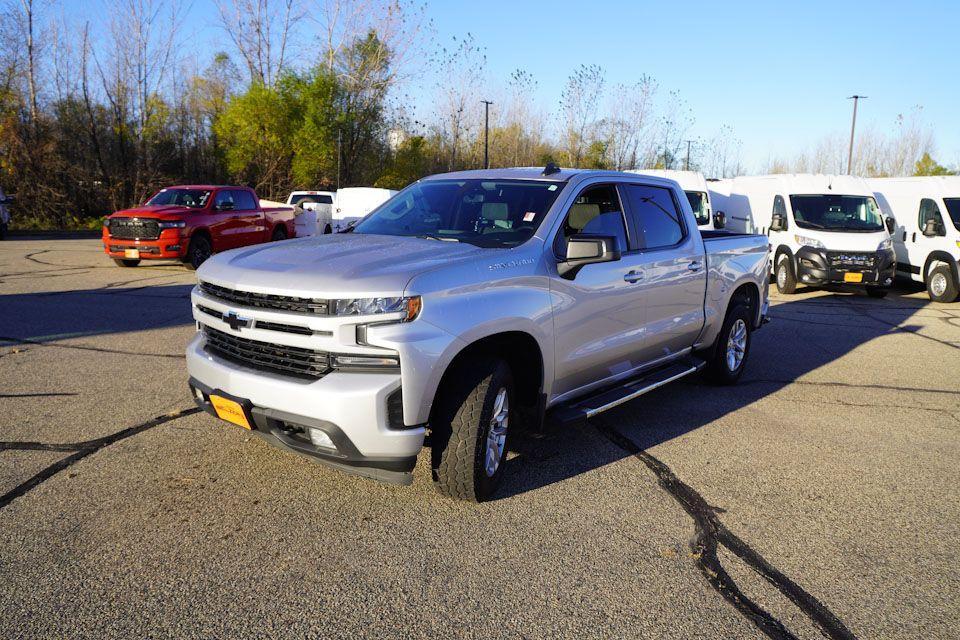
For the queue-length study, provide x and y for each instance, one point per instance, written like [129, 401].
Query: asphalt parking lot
[816, 499]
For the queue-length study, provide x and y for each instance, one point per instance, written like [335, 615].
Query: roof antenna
[550, 169]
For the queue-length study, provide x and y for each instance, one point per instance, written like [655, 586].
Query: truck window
[597, 211]
[930, 211]
[307, 198]
[655, 215]
[698, 202]
[243, 200]
[224, 196]
[193, 198]
[953, 208]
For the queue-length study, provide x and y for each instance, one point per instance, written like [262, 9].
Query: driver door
[226, 224]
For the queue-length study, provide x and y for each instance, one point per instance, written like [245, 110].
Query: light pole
[486, 133]
[853, 126]
[686, 164]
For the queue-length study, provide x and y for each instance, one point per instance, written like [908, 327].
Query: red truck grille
[134, 228]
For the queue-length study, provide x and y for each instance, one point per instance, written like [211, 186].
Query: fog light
[888, 281]
[198, 393]
[173, 247]
[805, 278]
[320, 438]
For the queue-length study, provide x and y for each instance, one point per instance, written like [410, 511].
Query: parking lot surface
[816, 499]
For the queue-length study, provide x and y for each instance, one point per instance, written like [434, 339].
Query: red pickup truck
[190, 223]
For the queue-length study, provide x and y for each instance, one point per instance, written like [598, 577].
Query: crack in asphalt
[710, 534]
[80, 451]
[35, 395]
[41, 343]
[901, 329]
[847, 385]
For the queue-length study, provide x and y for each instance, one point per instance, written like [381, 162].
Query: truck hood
[334, 266]
[159, 212]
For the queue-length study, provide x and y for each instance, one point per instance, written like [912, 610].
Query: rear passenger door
[251, 225]
[599, 315]
[672, 266]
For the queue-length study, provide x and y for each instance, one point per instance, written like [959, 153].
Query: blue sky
[779, 74]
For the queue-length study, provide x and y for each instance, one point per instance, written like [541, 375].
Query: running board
[583, 409]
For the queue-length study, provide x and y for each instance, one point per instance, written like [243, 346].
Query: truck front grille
[296, 361]
[312, 306]
[134, 228]
[850, 260]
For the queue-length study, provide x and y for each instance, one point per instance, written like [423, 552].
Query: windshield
[307, 198]
[486, 213]
[698, 202]
[193, 198]
[837, 213]
[953, 208]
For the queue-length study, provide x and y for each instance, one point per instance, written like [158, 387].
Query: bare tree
[579, 104]
[720, 156]
[260, 30]
[628, 129]
[460, 78]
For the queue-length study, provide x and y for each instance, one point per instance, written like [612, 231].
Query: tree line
[97, 113]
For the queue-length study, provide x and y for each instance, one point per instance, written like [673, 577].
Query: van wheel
[470, 434]
[327, 230]
[941, 286]
[122, 262]
[198, 252]
[725, 365]
[786, 279]
[280, 233]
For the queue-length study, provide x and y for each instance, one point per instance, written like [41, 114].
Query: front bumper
[818, 267]
[169, 246]
[351, 408]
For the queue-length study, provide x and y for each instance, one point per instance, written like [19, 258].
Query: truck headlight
[172, 224]
[410, 306]
[804, 241]
[364, 362]
[886, 244]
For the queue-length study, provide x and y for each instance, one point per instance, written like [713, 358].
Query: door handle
[633, 276]
[694, 266]
[913, 238]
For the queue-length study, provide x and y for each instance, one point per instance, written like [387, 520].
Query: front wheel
[729, 357]
[941, 285]
[786, 278]
[198, 252]
[471, 430]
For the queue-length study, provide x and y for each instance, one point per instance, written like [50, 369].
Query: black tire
[280, 233]
[3, 230]
[874, 292]
[461, 428]
[787, 280]
[941, 285]
[719, 370]
[123, 262]
[327, 230]
[198, 252]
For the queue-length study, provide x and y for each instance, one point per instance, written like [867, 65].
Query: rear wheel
[198, 252]
[280, 233]
[726, 363]
[123, 262]
[471, 429]
[327, 229]
[941, 285]
[786, 278]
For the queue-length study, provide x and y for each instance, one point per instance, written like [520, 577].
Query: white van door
[919, 245]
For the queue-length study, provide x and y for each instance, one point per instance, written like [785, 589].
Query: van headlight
[804, 241]
[885, 245]
[410, 306]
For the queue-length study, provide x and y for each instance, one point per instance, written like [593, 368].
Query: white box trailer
[927, 234]
[354, 203]
[823, 229]
[694, 185]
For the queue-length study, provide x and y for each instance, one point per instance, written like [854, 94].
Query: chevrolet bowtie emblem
[236, 321]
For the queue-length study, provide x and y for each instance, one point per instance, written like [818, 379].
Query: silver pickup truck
[468, 306]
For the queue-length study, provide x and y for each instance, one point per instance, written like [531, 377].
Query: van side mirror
[930, 228]
[719, 220]
[778, 223]
[585, 249]
[891, 224]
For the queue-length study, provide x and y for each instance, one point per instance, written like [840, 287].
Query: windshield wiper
[427, 236]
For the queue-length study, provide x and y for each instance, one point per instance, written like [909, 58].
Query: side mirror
[778, 223]
[931, 228]
[587, 249]
[719, 220]
[891, 224]
[225, 206]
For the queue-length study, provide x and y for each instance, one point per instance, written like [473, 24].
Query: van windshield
[193, 198]
[837, 213]
[953, 208]
[698, 202]
[486, 213]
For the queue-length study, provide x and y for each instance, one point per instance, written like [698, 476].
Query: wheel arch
[748, 293]
[941, 256]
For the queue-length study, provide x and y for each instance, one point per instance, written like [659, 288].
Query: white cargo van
[694, 185]
[823, 229]
[927, 236]
[314, 211]
[354, 203]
